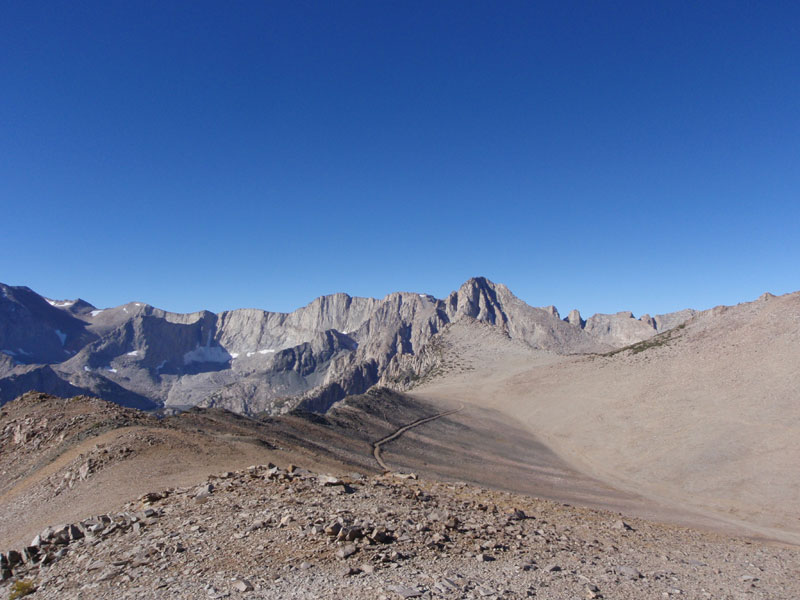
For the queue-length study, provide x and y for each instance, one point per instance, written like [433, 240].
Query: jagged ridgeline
[254, 361]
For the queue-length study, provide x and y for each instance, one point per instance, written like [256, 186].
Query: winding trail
[376, 446]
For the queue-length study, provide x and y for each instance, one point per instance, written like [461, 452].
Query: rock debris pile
[268, 532]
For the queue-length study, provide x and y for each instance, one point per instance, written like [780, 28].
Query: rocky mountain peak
[253, 360]
[552, 310]
[574, 318]
[478, 298]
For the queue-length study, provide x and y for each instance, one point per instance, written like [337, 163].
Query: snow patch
[94, 313]
[62, 336]
[265, 351]
[134, 353]
[125, 308]
[137, 303]
[87, 369]
[234, 355]
[60, 304]
[110, 369]
[205, 354]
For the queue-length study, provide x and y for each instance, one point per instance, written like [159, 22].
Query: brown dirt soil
[704, 418]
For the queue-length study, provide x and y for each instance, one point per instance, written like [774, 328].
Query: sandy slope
[138, 454]
[129, 454]
[708, 420]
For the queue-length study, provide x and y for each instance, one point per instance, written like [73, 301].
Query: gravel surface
[266, 532]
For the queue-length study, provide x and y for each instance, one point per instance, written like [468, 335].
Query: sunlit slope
[705, 416]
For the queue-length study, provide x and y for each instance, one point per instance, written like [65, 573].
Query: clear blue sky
[597, 155]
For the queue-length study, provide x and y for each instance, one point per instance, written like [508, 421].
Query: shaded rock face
[34, 330]
[253, 361]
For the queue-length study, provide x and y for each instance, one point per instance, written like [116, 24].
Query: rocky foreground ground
[267, 532]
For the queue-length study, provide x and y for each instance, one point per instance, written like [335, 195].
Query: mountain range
[690, 419]
[254, 361]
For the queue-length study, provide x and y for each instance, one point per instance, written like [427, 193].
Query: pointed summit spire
[574, 318]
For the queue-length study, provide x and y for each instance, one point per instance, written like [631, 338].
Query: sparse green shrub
[21, 588]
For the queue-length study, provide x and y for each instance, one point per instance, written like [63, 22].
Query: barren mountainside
[253, 361]
[704, 415]
[524, 429]
[216, 518]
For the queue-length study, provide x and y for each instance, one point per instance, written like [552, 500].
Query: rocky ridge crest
[253, 361]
